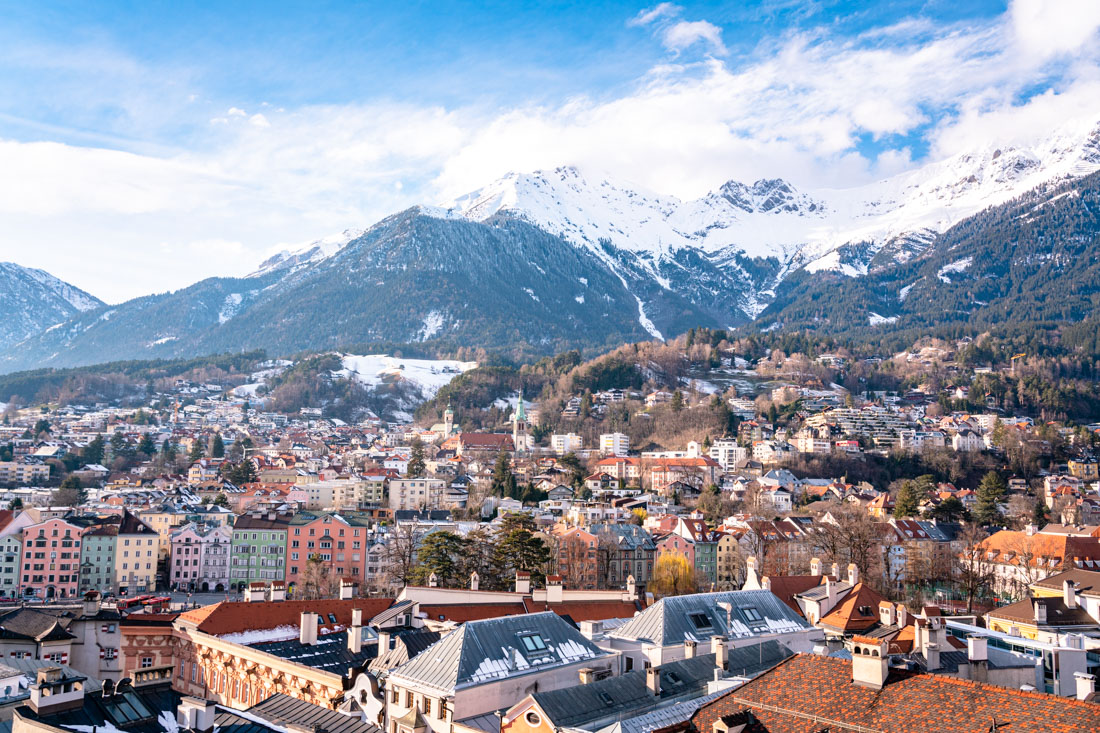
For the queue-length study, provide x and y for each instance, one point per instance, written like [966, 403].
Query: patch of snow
[905, 291]
[429, 374]
[647, 324]
[955, 267]
[579, 299]
[583, 281]
[163, 340]
[531, 292]
[876, 320]
[230, 307]
[278, 633]
[296, 258]
[433, 323]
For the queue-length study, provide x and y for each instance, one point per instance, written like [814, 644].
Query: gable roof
[699, 616]
[857, 611]
[277, 711]
[230, 618]
[814, 693]
[491, 649]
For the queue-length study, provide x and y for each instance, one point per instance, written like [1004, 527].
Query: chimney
[591, 629]
[1040, 612]
[815, 566]
[1069, 593]
[886, 613]
[932, 657]
[1086, 684]
[720, 651]
[836, 570]
[689, 648]
[433, 581]
[347, 589]
[355, 633]
[475, 580]
[853, 574]
[52, 691]
[588, 676]
[271, 516]
[553, 589]
[870, 663]
[91, 603]
[195, 715]
[383, 641]
[308, 628]
[903, 614]
[750, 570]
[653, 681]
[523, 582]
[830, 594]
[631, 588]
[977, 649]
[277, 590]
[255, 593]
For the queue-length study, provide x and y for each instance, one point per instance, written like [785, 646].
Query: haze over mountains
[557, 259]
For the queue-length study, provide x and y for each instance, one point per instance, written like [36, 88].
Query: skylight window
[332, 618]
[751, 614]
[533, 642]
[700, 620]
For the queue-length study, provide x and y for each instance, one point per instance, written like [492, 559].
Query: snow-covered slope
[772, 218]
[427, 374]
[32, 301]
[294, 259]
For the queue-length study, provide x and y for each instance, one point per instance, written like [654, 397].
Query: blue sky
[146, 145]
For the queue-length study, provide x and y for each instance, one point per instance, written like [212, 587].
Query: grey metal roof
[818, 592]
[492, 649]
[662, 717]
[280, 710]
[406, 645]
[330, 653]
[699, 616]
[391, 612]
[584, 704]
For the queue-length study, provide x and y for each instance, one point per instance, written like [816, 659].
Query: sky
[147, 145]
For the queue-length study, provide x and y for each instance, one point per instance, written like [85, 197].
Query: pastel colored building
[339, 540]
[51, 559]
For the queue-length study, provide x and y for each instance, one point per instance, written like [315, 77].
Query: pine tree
[93, 452]
[677, 403]
[416, 460]
[168, 450]
[196, 450]
[504, 482]
[991, 490]
[217, 448]
[146, 445]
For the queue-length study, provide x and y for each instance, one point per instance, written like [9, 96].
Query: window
[700, 620]
[146, 662]
[332, 618]
[533, 642]
[751, 614]
[533, 718]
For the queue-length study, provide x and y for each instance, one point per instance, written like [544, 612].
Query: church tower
[519, 426]
[448, 422]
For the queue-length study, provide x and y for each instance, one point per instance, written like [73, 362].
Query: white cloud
[683, 35]
[120, 224]
[662, 10]
[1049, 29]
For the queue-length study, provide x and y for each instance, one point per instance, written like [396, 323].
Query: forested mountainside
[1033, 260]
[32, 300]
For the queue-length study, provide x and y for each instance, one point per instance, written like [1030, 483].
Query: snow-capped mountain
[33, 300]
[773, 219]
[294, 259]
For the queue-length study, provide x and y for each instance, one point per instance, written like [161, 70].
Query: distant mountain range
[32, 301]
[555, 259]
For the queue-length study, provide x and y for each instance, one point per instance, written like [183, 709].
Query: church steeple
[519, 426]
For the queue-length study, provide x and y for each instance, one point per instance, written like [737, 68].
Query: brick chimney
[308, 628]
[588, 676]
[653, 681]
[355, 631]
[870, 663]
[689, 648]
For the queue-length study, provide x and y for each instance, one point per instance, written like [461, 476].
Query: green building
[258, 553]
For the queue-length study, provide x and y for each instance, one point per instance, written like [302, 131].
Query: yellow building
[1085, 470]
[135, 556]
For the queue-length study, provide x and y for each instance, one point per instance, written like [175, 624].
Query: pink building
[339, 540]
[200, 558]
[51, 559]
[679, 545]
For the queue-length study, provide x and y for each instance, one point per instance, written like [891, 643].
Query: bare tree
[853, 537]
[974, 570]
[401, 545]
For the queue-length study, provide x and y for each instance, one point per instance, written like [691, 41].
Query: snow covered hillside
[428, 374]
[31, 301]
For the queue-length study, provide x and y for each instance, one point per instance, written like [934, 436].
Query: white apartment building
[728, 453]
[562, 443]
[416, 493]
[614, 444]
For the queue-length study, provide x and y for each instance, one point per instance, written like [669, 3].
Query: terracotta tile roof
[230, 618]
[809, 693]
[788, 586]
[587, 610]
[857, 611]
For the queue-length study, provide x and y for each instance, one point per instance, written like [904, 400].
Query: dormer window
[700, 620]
[751, 614]
[533, 642]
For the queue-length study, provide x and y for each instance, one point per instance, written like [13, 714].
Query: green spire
[520, 413]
